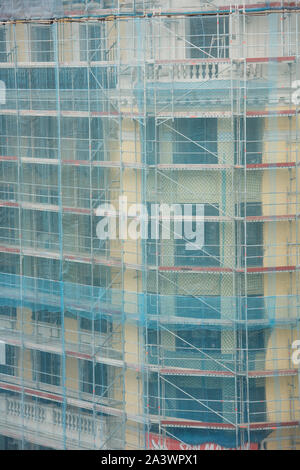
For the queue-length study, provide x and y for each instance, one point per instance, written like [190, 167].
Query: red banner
[157, 442]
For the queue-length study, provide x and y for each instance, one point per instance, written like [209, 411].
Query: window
[196, 408]
[47, 228]
[76, 187]
[75, 135]
[99, 246]
[8, 135]
[100, 186]
[39, 78]
[3, 47]
[256, 339]
[253, 340]
[253, 251]
[253, 307]
[96, 78]
[75, 138]
[39, 137]
[251, 245]
[101, 325]
[200, 399]
[153, 337]
[195, 141]
[201, 338]
[42, 44]
[94, 378]
[47, 368]
[153, 304]
[41, 180]
[209, 37]
[97, 140]
[77, 232]
[44, 268]
[257, 400]
[150, 141]
[251, 146]
[9, 443]
[8, 311]
[152, 250]
[209, 255]
[47, 195]
[198, 306]
[7, 192]
[78, 273]
[154, 392]
[9, 263]
[153, 344]
[47, 316]
[8, 355]
[92, 42]
[257, 405]
[102, 278]
[8, 225]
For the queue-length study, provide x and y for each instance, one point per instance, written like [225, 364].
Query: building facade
[124, 343]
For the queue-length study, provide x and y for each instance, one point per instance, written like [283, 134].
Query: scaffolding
[141, 343]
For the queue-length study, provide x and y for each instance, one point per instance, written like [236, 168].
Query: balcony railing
[49, 424]
[202, 71]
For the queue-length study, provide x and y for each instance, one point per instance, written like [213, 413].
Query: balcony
[216, 69]
[191, 70]
[45, 425]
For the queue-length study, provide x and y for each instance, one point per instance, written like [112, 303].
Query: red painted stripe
[272, 165]
[268, 218]
[192, 61]
[283, 112]
[195, 372]
[194, 268]
[111, 113]
[271, 59]
[263, 373]
[6, 249]
[9, 204]
[8, 158]
[273, 373]
[198, 424]
[29, 391]
[265, 425]
[269, 269]
[77, 258]
[75, 162]
[78, 355]
[76, 210]
[273, 425]
[209, 269]
[6, 386]
[49, 396]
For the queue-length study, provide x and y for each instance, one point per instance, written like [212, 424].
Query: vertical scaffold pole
[19, 199]
[60, 230]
